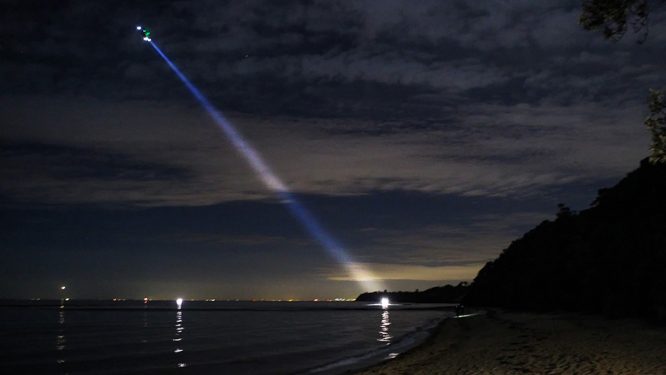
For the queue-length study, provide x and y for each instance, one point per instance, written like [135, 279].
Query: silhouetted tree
[563, 210]
[609, 258]
[656, 123]
[612, 17]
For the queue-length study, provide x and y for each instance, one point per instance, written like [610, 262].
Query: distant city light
[138, 27]
[179, 302]
[63, 287]
[385, 302]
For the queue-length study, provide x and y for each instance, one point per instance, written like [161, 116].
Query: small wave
[405, 343]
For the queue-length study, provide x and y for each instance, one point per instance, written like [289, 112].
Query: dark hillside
[610, 258]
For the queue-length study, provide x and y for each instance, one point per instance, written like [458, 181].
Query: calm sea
[129, 337]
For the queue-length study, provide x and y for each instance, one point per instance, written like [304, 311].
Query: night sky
[425, 136]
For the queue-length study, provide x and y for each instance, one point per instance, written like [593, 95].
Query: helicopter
[146, 33]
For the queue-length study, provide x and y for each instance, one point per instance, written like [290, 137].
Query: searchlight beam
[272, 181]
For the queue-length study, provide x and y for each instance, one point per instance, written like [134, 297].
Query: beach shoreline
[369, 359]
[502, 342]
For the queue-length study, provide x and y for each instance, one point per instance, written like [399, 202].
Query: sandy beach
[515, 343]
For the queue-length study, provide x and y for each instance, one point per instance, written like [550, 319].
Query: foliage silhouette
[610, 258]
[612, 16]
[656, 123]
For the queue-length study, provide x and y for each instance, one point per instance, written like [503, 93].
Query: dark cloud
[319, 58]
[68, 162]
[425, 135]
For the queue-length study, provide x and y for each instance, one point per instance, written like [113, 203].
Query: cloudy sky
[424, 136]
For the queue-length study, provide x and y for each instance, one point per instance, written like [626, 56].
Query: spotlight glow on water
[179, 302]
[357, 271]
[385, 302]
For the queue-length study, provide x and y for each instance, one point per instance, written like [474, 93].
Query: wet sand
[521, 343]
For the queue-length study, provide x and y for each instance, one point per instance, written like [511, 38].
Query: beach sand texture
[521, 343]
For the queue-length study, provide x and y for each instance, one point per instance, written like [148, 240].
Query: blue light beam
[357, 271]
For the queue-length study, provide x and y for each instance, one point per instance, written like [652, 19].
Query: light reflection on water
[60, 338]
[256, 338]
[384, 334]
[178, 338]
[144, 337]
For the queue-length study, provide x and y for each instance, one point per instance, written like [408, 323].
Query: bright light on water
[385, 302]
[179, 302]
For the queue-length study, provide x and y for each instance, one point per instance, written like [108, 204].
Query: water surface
[204, 337]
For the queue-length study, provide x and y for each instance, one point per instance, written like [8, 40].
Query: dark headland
[608, 259]
[438, 294]
[583, 293]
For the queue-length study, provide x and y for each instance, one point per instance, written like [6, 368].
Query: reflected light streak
[178, 337]
[466, 315]
[384, 334]
[274, 183]
[61, 341]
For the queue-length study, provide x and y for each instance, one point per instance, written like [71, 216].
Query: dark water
[206, 337]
